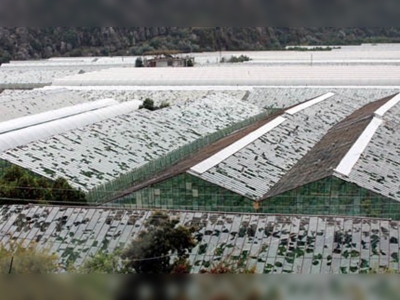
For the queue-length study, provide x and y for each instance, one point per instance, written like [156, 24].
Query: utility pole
[11, 265]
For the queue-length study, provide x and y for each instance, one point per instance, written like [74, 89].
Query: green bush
[149, 105]
[163, 240]
[235, 59]
[20, 186]
[139, 62]
[26, 260]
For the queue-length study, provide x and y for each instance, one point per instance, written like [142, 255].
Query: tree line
[34, 43]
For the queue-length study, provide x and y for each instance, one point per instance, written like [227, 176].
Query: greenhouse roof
[160, 94]
[51, 115]
[377, 168]
[43, 127]
[17, 105]
[280, 97]
[358, 54]
[31, 78]
[96, 154]
[37, 73]
[76, 62]
[353, 75]
[363, 149]
[253, 170]
[271, 244]
[330, 151]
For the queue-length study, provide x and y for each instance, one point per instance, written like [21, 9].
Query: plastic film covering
[257, 241]
[42, 131]
[214, 160]
[354, 154]
[17, 104]
[103, 151]
[255, 169]
[239, 76]
[389, 105]
[111, 189]
[52, 115]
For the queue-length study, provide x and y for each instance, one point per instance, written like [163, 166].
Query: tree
[19, 186]
[228, 266]
[147, 104]
[103, 263]
[190, 63]
[26, 260]
[161, 249]
[139, 63]
[62, 191]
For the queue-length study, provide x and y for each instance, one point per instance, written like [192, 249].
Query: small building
[166, 59]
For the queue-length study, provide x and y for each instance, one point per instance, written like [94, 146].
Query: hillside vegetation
[22, 43]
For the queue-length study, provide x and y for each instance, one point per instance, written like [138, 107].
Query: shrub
[139, 62]
[149, 104]
[162, 249]
[26, 260]
[103, 263]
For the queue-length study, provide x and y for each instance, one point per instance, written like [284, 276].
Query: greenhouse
[43, 127]
[51, 115]
[326, 157]
[344, 75]
[39, 73]
[21, 104]
[269, 243]
[95, 148]
[217, 152]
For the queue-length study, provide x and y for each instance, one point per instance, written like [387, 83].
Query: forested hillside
[33, 43]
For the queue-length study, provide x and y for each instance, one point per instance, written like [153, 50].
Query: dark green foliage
[236, 59]
[20, 186]
[162, 248]
[26, 259]
[149, 105]
[190, 63]
[70, 36]
[62, 191]
[103, 263]
[139, 63]
[36, 42]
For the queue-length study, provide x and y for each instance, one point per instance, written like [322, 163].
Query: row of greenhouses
[267, 244]
[296, 167]
[97, 153]
[344, 75]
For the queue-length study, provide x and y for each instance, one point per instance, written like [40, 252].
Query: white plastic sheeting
[214, 160]
[353, 155]
[43, 131]
[20, 103]
[278, 97]
[388, 105]
[255, 169]
[344, 75]
[51, 115]
[364, 54]
[377, 169]
[103, 151]
[307, 104]
[250, 138]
